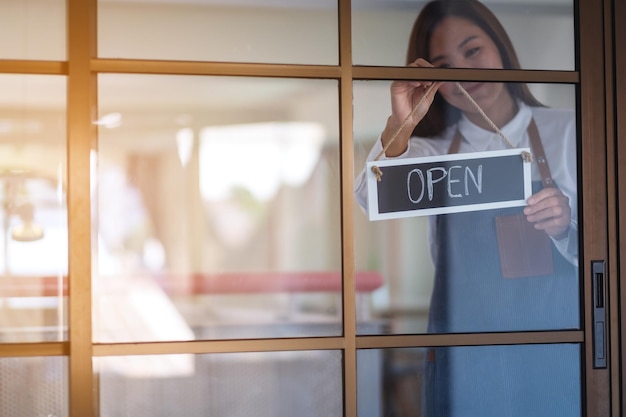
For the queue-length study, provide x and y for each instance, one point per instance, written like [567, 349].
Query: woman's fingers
[549, 211]
[407, 95]
[421, 62]
[410, 101]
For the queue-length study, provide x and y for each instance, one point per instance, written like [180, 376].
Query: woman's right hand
[405, 95]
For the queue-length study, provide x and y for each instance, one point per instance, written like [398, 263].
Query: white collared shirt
[557, 129]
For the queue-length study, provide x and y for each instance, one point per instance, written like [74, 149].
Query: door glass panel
[274, 384]
[446, 271]
[33, 209]
[542, 33]
[33, 29]
[487, 381]
[289, 32]
[218, 211]
[34, 386]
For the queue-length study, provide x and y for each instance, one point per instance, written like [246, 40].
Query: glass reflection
[542, 32]
[33, 387]
[33, 209]
[403, 250]
[289, 32]
[218, 212]
[304, 383]
[489, 381]
[33, 29]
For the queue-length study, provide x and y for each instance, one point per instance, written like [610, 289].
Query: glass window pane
[294, 32]
[33, 29]
[486, 381]
[33, 209]
[542, 33]
[218, 208]
[304, 383]
[33, 386]
[444, 271]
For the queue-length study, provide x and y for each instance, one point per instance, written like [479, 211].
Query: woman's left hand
[549, 210]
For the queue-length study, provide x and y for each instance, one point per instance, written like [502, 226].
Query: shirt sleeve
[561, 153]
[568, 247]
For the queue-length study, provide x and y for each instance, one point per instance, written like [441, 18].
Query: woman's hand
[405, 95]
[549, 210]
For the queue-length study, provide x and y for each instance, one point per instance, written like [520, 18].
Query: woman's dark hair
[441, 114]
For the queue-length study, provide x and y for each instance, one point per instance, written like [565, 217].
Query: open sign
[448, 184]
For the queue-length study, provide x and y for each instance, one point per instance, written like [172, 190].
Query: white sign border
[372, 184]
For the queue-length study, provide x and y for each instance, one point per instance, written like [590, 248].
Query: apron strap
[540, 155]
[456, 142]
[535, 144]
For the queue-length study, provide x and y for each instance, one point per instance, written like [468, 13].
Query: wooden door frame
[618, 14]
[598, 187]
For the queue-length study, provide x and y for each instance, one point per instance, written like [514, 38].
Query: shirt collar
[481, 139]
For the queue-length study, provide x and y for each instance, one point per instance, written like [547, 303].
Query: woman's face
[459, 43]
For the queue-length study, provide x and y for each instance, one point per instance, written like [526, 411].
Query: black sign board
[448, 184]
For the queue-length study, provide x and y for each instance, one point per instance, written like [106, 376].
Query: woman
[474, 289]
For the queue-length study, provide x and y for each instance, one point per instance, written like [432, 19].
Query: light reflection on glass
[260, 384]
[218, 209]
[534, 380]
[542, 32]
[33, 209]
[36, 29]
[34, 386]
[289, 31]
[399, 249]
[269, 155]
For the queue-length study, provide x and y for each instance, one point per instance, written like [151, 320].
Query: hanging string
[429, 89]
[484, 115]
[378, 173]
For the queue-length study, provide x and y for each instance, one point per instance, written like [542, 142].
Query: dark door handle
[599, 314]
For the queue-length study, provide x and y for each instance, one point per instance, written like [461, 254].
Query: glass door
[187, 222]
[472, 327]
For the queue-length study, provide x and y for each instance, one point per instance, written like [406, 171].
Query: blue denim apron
[470, 295]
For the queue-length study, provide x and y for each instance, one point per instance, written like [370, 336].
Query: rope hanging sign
[451, 183]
